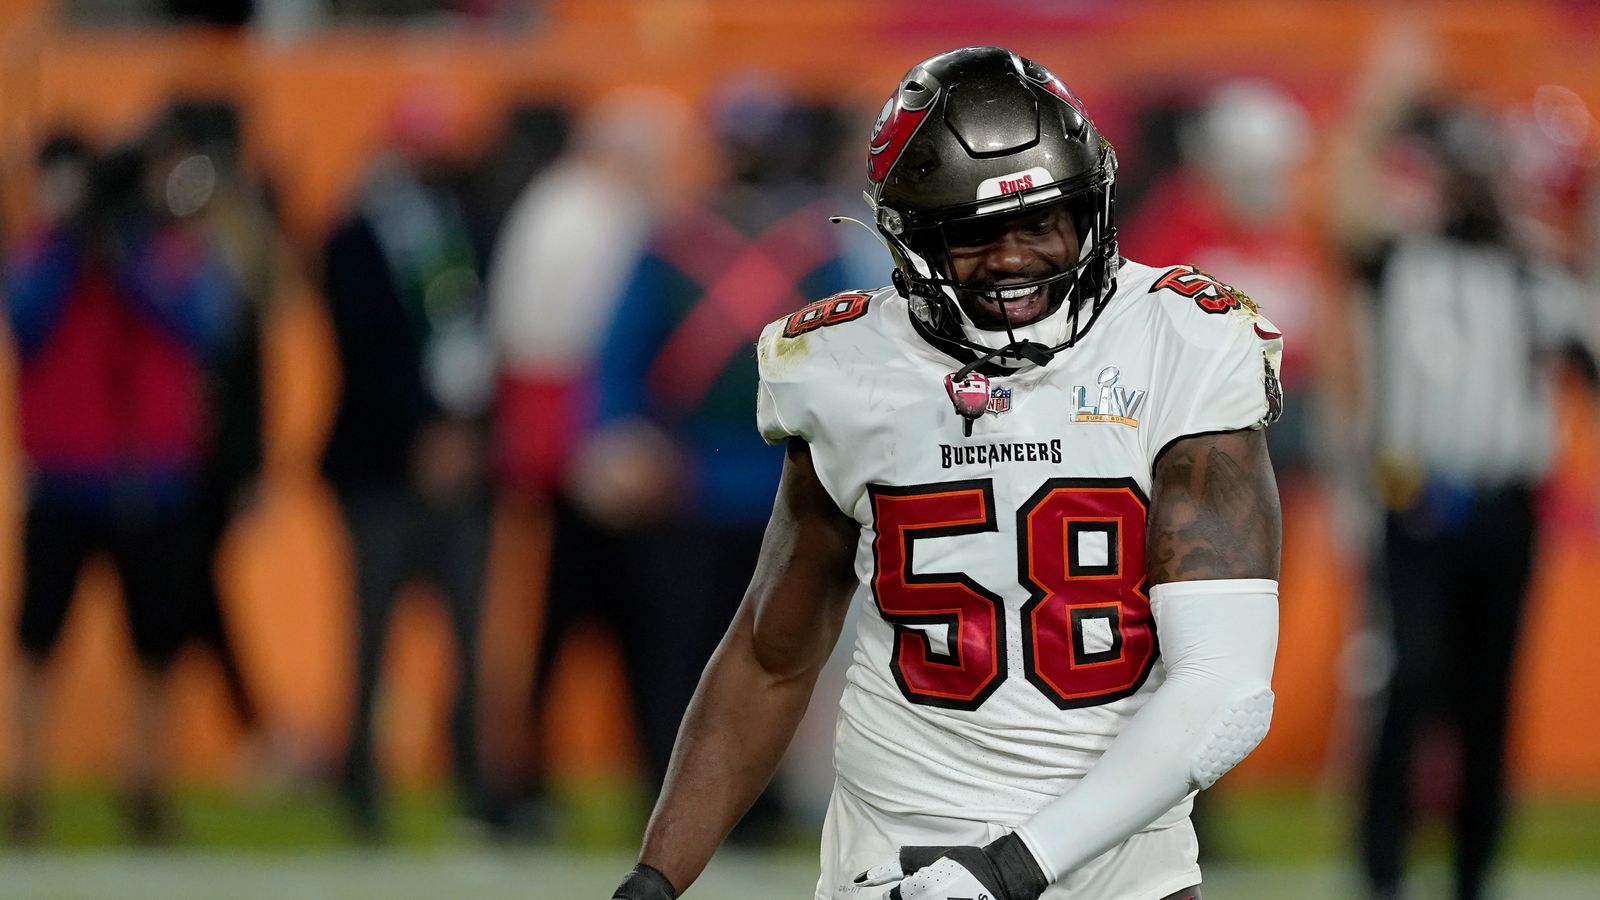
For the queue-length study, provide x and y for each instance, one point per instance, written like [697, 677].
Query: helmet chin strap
[1025, 350]
[1051, 330]
[1045, 333]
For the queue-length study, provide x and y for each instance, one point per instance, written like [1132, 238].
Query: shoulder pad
[838, 309]
[783, 352]
[1208, 293]
[1193, 298]
[1218, 349]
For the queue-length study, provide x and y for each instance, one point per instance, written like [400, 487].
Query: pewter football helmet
[982, 134]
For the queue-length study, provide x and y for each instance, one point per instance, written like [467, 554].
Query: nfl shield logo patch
[999, 401]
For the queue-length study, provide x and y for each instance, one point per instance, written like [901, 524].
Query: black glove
[645, 883]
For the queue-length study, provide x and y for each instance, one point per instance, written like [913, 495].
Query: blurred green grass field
[1261, 844]
[546, 875]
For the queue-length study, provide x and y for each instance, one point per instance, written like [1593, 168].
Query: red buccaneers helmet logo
[900, 118]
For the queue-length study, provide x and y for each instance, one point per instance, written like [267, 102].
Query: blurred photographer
[116, 303]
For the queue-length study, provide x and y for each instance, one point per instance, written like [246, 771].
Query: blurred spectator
[1230, 208]
[1463, 327]
[569, 242]
[674, 459]
[406, 453]
[117, 303]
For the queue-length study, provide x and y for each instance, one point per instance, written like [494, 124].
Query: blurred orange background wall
[314, 110]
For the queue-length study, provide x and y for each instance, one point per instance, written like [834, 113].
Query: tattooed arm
[1215, 510]
[1212, 561]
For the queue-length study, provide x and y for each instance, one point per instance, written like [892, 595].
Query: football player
[1039, 468]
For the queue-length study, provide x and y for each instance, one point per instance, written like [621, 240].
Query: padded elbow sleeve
[1223, 632]
[1239, 726]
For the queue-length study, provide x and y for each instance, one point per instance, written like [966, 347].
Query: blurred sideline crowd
[549, 331]
[470, 302]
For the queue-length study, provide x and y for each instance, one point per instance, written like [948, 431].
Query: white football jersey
[1005, 634]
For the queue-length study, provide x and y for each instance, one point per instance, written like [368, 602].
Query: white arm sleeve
[1219, 639]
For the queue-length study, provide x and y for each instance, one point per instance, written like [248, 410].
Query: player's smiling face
[990, 253]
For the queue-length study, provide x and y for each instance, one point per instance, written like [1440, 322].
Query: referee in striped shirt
[1460, 337]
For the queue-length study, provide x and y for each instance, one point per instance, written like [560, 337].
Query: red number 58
[1087, 633]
